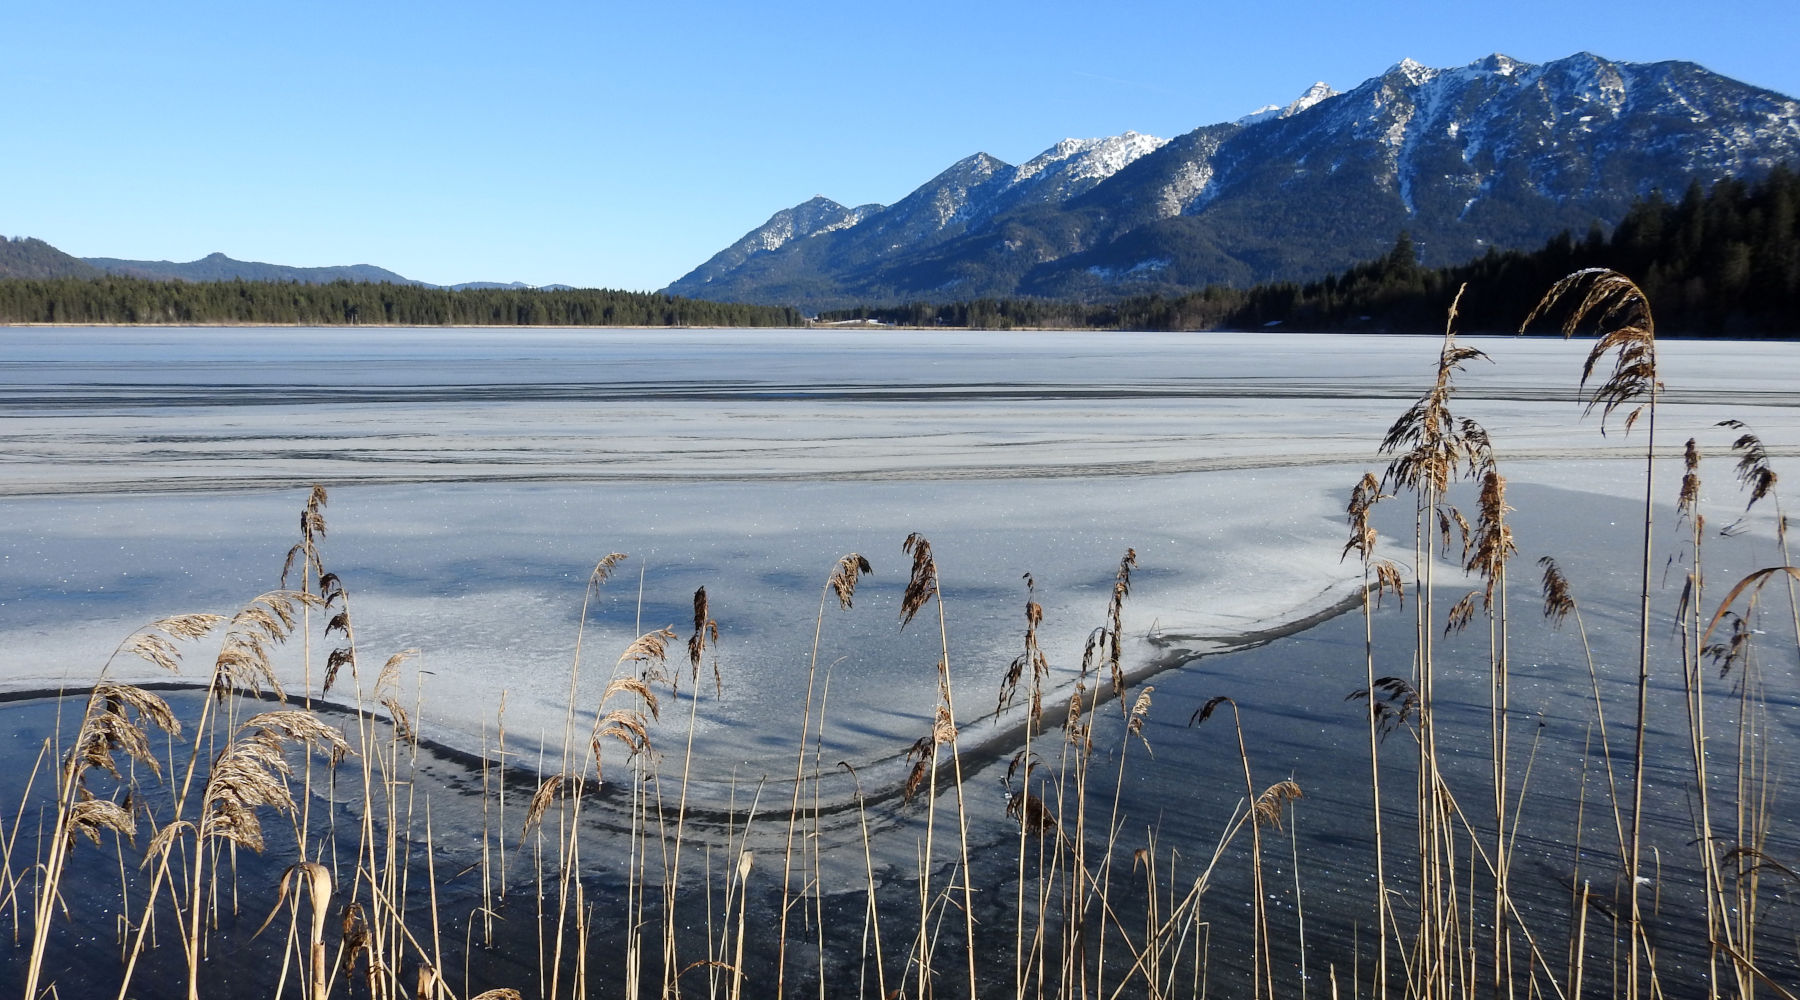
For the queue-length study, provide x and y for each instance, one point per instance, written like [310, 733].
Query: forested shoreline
[117, 300]
[1724, 262]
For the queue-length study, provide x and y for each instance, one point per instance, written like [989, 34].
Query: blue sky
[616, 145]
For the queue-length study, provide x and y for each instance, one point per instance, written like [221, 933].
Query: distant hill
[516, 286]
[27, 257]
[1498, 153]
[218, 267]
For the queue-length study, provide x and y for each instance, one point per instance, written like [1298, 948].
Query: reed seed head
[1490, 544]
[1461, 613]
[1031, 812]
[844, 576]
[1115, 612]
[650, 649]
[705, 630]
[1690, 479]
[89, 816]
[541, 800]
[1731, 651]
[118, 718]
[252, 773]
[1205, 712]
[156, 642]
[1392, 703]
[1753, 470]
[355, 932]
[1140, 710]
[1363, 498]
[1389, 580]
[243, 661]
[1429, 444]
[920, 755]
[1269, 804]
[1559, 600]
[1620, 312]
[923, 584]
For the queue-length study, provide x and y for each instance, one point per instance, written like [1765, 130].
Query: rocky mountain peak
[1495, 153]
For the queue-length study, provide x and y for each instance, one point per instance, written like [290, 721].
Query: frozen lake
[476, 477]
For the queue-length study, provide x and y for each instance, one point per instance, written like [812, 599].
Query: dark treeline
[1724, 262]
[117, 299]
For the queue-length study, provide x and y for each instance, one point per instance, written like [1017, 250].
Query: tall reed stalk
[1620, 312]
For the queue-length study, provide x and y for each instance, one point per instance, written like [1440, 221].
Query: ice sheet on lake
[477, 476]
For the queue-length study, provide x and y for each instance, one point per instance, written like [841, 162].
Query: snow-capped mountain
[1314, 94]
[968, 193]
[1495, 153]
[809, 218]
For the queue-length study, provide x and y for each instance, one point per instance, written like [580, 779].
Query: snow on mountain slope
[1494, 153]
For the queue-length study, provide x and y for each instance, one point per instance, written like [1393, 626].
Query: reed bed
[232, 838]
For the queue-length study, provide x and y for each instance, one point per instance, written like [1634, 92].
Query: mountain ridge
[30, 257]
[1498, 152]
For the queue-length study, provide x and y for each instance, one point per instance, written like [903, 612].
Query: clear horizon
[570, 143]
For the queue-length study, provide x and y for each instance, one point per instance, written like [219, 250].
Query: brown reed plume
[1429, 444]
[922, 585]
[117, 719]
[541, 800]
[1755, 474]
[1140, 710]
[705, 629]
[1032, 659]
[1559, 600]
[1115, 609]
[1269, 805]
[1392, 703]
[353, 928]
[249, 775]
[626, 725]
[1486, 549]
[332, 592]
[1687, 503]
[305, 552]
[1615, 306]
[1491, 543]
[155, 643]
[1023, 805]
[704, 636]
[845, 574]
[243, 663]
